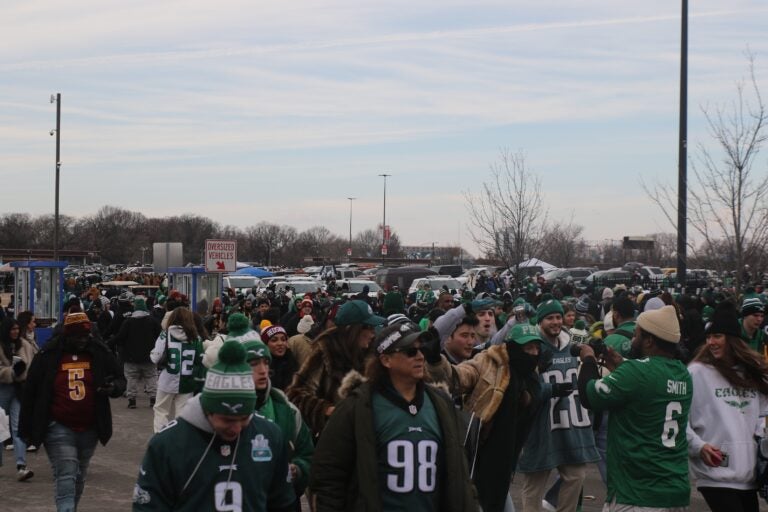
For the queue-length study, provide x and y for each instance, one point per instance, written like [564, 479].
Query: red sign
[387, 234]
[349, 252]
[220, 255]
[384, 250]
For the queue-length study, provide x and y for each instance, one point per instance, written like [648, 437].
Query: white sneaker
[9, 447]
[24, 474]
[31, 448]
[545, 505]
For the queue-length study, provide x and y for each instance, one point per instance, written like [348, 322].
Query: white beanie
[305, 324]
[662, 323]
[607, 293]
[653, 303]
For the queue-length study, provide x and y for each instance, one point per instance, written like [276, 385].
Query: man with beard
[648, 398]
[503, 391]
[561, 437]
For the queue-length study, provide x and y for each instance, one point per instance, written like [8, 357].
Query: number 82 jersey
[648, 400]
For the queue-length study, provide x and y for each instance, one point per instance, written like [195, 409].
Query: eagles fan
[217, 455]
[393, 443]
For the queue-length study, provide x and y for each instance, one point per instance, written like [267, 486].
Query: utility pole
[349, 250]
[57, 99]
[384, 220]
[682, 178]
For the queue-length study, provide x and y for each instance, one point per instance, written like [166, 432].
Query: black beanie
[725, 320]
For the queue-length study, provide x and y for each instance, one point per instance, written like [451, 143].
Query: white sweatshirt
[727, 418]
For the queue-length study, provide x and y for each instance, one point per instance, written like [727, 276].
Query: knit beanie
[582, 307]
[272, 330]
[706, 313]
[662, 323]
[579, 332]
[393, 303]
[76, 324]
[549, 307]
[305, 324]
[653, 303]
[237, 324]
[139, 304]
[607, 293]
[752, 305]
[724, 320]
[229, 387]
[255, 349]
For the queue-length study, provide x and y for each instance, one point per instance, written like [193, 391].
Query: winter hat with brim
[549, 307]
[255, 349]
[357, 312]
[272, 330]
[724, 320]
[662, 323]
[139, 304]
[523, 334]
[229, 389]
[237, 324]
[751, 306]
[76, 324]
[582, 306]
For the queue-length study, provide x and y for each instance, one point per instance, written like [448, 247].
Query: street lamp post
[682, 172]
[384, 219]
[349, 250]
[57, 99]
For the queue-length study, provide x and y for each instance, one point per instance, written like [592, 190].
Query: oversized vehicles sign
[220, 255]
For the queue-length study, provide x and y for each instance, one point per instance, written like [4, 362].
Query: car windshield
[451, 283]
[358, 287]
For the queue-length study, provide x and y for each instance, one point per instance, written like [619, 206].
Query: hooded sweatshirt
[187, 467]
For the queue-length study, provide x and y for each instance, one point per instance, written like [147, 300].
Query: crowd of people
[431, 401]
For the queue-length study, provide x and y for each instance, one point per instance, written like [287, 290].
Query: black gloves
[18, 367]
[430, 345]
[562, 389]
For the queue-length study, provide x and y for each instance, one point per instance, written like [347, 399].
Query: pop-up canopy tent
[535, 262]
[253, 271]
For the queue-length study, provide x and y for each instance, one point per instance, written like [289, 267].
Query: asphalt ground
[114, 468]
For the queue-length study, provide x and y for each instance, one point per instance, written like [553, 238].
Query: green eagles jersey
[648, 401]
[408, 449]
[621, 339]
[757, 342]
[250, 480]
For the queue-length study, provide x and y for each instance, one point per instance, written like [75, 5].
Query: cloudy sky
[249, 111]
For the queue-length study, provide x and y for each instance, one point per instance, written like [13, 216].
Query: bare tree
[728, 200]
[508, 216]
[563, 244]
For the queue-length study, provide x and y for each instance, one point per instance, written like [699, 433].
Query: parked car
[563, 274]
[350, 287]
[401, 277]
[607, 278]
[435, 282]
[448, 270]
[300, 287]
[652, 276]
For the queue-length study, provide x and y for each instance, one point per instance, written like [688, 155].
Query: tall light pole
[349, 251]
[682, 172]
[57, 99]
[384, 219]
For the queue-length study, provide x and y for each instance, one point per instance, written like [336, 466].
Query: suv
[562, 274]
[608, 278]
[350, 287]
[448, 270]
[435, 283]
[401, 276]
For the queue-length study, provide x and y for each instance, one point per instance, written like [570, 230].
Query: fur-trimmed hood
[355, 379]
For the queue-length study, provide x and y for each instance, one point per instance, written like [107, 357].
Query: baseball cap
[357, 312]
[398, 336]
[523, 334]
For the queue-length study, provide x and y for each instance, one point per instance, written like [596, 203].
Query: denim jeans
[70, 453]
[11, 405]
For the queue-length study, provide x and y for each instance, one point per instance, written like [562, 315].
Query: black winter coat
[38, 391]
[136, 338]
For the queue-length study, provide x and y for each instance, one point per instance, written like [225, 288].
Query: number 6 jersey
[648, 400]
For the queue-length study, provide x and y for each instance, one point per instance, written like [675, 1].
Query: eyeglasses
[410, 351]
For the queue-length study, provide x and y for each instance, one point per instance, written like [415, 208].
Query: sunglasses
[410, 351]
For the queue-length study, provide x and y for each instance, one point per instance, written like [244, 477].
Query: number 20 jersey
[648, 400]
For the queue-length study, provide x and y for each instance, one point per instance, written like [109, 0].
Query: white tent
[535, 262]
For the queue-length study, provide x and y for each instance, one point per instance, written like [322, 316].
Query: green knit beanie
[255, 349]
[229, 387]
[547, 308]
[237, 324]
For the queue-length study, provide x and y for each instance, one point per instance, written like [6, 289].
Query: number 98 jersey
[408, 447]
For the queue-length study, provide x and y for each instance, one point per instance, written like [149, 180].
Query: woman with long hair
[338, 351]
[27, 326]
[730, 395]
[16, 354]
[179, 352]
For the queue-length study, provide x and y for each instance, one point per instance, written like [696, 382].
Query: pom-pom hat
[77, 324]
[229, 389]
